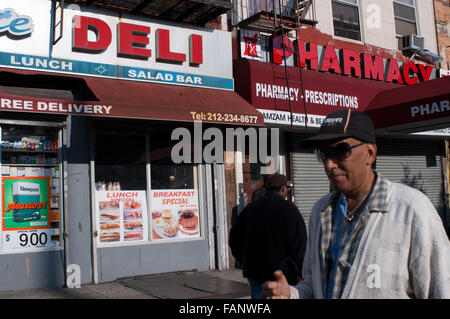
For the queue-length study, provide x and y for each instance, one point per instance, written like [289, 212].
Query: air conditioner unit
[411, 42]
[301, 7]
[302, 3]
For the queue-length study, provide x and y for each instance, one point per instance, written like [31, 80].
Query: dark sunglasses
[337, 153]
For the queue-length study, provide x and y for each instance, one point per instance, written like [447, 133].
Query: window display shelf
[30, 155]
[32, 165]
[28, 151]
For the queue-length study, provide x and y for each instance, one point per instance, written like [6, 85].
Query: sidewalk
[227, 284]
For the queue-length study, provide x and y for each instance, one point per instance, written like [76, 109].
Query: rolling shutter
[416, 163]
[310, 180]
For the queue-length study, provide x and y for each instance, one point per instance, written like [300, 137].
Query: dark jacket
[267, 232]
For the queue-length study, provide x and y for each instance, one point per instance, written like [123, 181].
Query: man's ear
[372, 153]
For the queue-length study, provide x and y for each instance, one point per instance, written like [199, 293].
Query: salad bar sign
[121, 216]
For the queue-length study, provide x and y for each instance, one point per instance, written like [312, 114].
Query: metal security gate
[310, 180]
[416, 163]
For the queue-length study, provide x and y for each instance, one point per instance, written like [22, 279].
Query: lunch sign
[115, 47]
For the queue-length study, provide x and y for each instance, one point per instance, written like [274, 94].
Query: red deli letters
[132, 40]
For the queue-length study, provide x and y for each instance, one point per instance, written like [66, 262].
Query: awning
[413, 108]
[139, 100]
[300, 97]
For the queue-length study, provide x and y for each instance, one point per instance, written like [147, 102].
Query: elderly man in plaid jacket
[369, 238]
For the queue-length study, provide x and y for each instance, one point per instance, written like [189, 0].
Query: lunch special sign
[25, 213]
[175, 214]
[121, 216]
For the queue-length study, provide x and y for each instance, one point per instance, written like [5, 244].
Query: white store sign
[124, 47]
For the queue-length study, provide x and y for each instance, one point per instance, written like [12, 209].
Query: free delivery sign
[25, 212]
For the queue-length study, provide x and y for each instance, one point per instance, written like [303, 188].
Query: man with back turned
[269, 234]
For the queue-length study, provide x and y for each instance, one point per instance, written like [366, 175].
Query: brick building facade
[442, 13]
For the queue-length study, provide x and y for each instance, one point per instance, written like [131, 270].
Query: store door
[253, 181]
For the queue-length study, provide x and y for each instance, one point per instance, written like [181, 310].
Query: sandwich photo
[109, 204]
[110, 236]
[109, 226]
[133, 225]
[132, 204]
[132, 214]
[109, 216]
[133, 236]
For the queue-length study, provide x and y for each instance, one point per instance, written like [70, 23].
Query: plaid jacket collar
[377, 203]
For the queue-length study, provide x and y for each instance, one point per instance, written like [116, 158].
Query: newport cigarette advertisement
[121, 216]
[175, 214]
[25, 213]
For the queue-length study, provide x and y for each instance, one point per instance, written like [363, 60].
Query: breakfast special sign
[175, 214]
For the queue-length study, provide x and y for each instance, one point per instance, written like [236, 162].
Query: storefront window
[141, 194]
[120, 162]
[31, 188]
[174, 196]
[164, 172]
[121, 183]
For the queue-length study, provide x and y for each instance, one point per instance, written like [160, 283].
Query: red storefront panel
[423, 105]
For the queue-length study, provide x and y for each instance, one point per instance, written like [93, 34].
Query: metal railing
[294, 9]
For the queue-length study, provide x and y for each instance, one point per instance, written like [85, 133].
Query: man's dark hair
[274, 188]
[275, 182]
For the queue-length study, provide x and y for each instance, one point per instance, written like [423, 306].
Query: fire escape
[278, 18]
[273, 16]
[193, 12]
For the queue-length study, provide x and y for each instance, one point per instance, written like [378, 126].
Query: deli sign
[147, 50]
[113, 45]
[132, 41]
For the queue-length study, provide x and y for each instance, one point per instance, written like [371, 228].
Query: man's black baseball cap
[343, 124]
